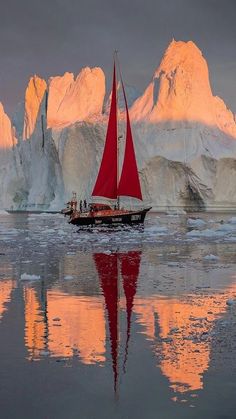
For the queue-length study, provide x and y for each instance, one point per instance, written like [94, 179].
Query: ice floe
[196, 222]
[211, 257]
[28, 277]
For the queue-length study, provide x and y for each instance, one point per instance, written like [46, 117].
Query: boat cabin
[99, 207]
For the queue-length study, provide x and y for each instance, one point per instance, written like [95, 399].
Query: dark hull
[132, 217]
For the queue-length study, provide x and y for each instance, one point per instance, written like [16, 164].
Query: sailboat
[109, 184]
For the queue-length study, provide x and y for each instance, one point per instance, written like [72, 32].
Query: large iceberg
[185, 138]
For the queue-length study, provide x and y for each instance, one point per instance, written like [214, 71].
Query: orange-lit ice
[7, 134]
[72, 100]
[6, 288]
[33, 98]
[180, 91]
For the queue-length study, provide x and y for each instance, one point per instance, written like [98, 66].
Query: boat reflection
[109, 266]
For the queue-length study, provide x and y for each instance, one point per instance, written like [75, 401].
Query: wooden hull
[109, 218]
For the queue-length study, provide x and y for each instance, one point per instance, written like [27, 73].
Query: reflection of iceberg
[35, 325]
[79, 326]
[65, 325]
[181, 329]
[6, 288]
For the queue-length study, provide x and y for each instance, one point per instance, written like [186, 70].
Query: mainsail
[107, 184]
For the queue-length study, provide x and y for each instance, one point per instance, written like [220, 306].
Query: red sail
[108, 274]
[129, 184]
[106, 183]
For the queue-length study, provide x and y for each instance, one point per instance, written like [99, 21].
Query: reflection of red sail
[108, 275]
[130, 263]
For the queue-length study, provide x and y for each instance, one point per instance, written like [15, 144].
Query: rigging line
[117, 130]
[121, 79]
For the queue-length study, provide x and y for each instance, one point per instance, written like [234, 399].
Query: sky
[49, 37]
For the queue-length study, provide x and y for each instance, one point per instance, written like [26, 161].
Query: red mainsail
[106, 183]
[129, 184]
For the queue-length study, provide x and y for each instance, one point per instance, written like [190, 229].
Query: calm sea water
[118, 323]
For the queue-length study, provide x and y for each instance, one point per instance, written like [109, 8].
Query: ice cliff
[71, 100]
[185, 138]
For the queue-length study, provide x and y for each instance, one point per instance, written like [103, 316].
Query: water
[118, 323]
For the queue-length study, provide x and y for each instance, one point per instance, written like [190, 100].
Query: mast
[118, 138]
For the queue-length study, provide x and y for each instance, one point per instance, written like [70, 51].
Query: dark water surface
[118, 323]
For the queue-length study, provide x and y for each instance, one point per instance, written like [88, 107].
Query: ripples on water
[138, 320]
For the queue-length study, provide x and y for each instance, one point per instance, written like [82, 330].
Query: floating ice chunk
[211, 257]
[231, 239]
[227, 227]
[230, 302]
[28, 277]
[44, 353]
[61, 232]
[196, 222]
[48, 231]
[3, 212]
[67, 277]
[11, 231]
[205, 233]
[157, 230]
[173, 264]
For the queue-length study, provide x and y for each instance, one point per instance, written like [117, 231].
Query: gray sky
[49, 37]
